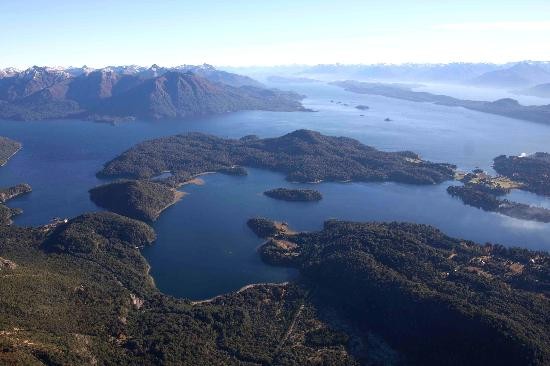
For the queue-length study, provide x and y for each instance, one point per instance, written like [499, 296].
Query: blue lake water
[204, 247]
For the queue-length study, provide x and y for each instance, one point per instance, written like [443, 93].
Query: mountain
[451, 72]
[522, 74]
[132, 91]
[30, 81]
[218, 76]
[180, 95]
[89, 89]
[541, 90]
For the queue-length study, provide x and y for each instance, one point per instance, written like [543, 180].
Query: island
[532, 171]
[420, 290]
[482, 191]
[138, 199]
[505, 107]
[302, 155]
[8, 148]
[285, 194]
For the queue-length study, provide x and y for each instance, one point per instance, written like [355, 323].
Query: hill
[435, 299]
[303, 155]
[522, 74]
[142, 200]
[80, 294]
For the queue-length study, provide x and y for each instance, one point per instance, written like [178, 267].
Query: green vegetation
[532, 171]
[9, 193]
[6, 213]
[233, 170]
[138, 199]
[303, 155]
[80, 294]
[434, 299]
[473, 195]
[482, 191]
[7, 149]
[286, 194]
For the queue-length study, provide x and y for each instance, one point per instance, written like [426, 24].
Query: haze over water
[204, 247]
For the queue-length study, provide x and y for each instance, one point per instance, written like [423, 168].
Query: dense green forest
[138, 199]
[473, 195]
[80, 294]
[532, 171]
[303, 155]
[294, 194]
[435, 299]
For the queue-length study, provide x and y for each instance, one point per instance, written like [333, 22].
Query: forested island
[102, 307]
[302, 155]
[532, 171]
[138, 199]
[505, 107]
[8, 148]
[303, 195]
[436, 300]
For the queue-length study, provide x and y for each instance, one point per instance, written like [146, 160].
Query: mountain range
[131, 91]
[512, 75]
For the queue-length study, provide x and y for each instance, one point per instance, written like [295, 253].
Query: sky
[266, 32]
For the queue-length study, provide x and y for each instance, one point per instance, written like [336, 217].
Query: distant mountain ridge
[524, 73]
[132, 91]
[520, 75]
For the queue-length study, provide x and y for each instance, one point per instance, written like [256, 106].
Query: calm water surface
[204, 248]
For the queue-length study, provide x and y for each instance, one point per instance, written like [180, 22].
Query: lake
[204, 247]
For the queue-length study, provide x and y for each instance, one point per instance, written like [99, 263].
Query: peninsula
[482, 191]
[505, 107]
[420, 290]
[532, 171]
[8, 148]
[139, 199]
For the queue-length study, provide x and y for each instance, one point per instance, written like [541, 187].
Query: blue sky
[246, 32]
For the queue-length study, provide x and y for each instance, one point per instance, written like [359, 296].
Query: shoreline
[242, 289]
[11, 156]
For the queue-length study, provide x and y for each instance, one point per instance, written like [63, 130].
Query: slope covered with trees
[138, 199]
[303, 155]
[435, 299]
[80, 294]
